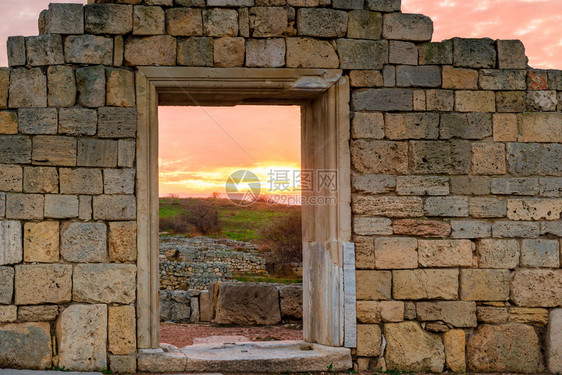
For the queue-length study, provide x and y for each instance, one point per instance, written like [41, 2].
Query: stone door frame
[329, 282]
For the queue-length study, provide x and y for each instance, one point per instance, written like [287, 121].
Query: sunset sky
[201, 146]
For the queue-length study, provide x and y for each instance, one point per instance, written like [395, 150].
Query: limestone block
[11, 178]
[436, 53]
[490, 314]
[456, 313]
[118, 50]
[126, 153]
[450, 206]
[474, 53]
[184, 22]
[148, 20]
[38, 120]
[152, 50]
[445, 253]
[554, 341]
[44, 50]
[505, 127]
[104, 283]
[6, 285]
[25, 345]
[82, 329]
[440, 100]
[196, 52]
[421, 228]
[290, 300]
[540, 253]
[119, 181]
[61, 85]
[24, 206]
[369, 339]
[550, 186]
[471, 229]
[220, 22]
[362, 54]
[37, 313]
[364, 253]
[402, 52]
[542, 100]
[85, 207]
[455, 342]
[484, 285]
[382, 100]
[54, 151]
[372, 226]
[310, 53]
[41, 242]
[8, 121]
[97, 153]
[64, 19]
[515, 186]
[540, 127]
[16, 51]
[470, 185]
[551, 228]
[505, 348]
[396, 253]
[115, 207]
[554, 79]
[488, 158]
[511, 229]
[534, 209]
[388, 206]
[88, 49]
[536, 288]
[440, 157]
[372, 156]
[265, 53]
[410, 348]
[323, 23]
[365, 78]
[498, 253]
[247, 304]
[373, 285]
[498, 79]
[190, 3]
[419, 76]
[373, 183]
[123, 364]
[83, 242]
[175, 306]
[425, 284]
[475, 101]
[487, 207]
[399, 126]
[43, 283]
[28, 88]
[271, 22]
[466, 125]
[384, 5]
[151, 360]
[90, 82]
[244, 22]
[402, 26]
[117, 122]
[122, 329]
[511, 54]
[108, 18]
[120, 90]
[458, 78]
[368, 125]
[230, 3]
[123, 241]
[229, 52]
[205, 306]
[81, 181]
[534, 159]
[363, 24]
[421, 185]
[78, 121]
[527, 315]
[375, 312]
[511, 101]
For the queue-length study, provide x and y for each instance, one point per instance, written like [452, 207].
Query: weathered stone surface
[195, 52]
[550, 186]
[396, 253]
[456, 313]
[500, 79]
[490, 314]
[369, 340]
[504, 348]
[270, 22]
[24, 206]
[8, 122]
[475, 101]
[85, 207]
[120, 89]
[90, 83]
[534, 209]
[51, 284]
[418, 76]
[537, 288]
[445, 253]
[372, 156]
[471, 229]
[123, 241]
[184, 22]
[82, 329]
[220, 22]
[104, 283]
[498, 253]
[527, 315]
[365, 78]
[511, 229]
[534, 159]
[364, 252]
[450, 206]
[229, 52]
[540, 253]
[365, 25]
[400, 126]
[54, 151]
[362, 54]
[425, 284]
[470, 185]
[25, 345]
[83, 242]
[64, 19]
[152, 50]
[265, 53]
[474, 53]
[88, 49]
[373, 183]
[410, 348]
[8, 314]
[484, 285]
[487, 207]
[41, 242]
[78, 121]
[488, 159]
[552, 228]
[515, 186]
[247, 304]
[455, 342]
[37, 120]
[123, 364]
[368, 226]
[97, 153]
[310, 53]
[127, 152]
[108, 19]
[402, 53]
[28, 88]
[62, 86]
[148, 20]
[290, 300]
[323, 23]
[540, 127]
[16, 51]
[37, 313]
[115, 207]
[175, 306]
[542, 100]
[422, 185]
[511, 101]
[421, 228]
[458, 78]
[402, 26]
[440, 157]
[368, 125]
[554, 341]
[505, 127]
[81, 181]
[11, 178]
[382, 100]
[436, 53]
[466, 125]
[44, 50]
[511, 54]
[440, 100]
[373, 285]
[374, 312]
[122, 329]
[117, 122]
[388, 206]
[7, 285]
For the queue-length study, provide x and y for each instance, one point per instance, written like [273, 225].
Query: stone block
[85, 207]
[363, 24]
[126, 153]
[16, 51]
[119, 181]
[24, 82]
[389, 78]
[190, 3]
[440, 284]
[384, 5]
[440, 100]
[388, 206]
[184, 22]
[25, 345]
[537, 79]
[362, 54]
[396, 253]
[122, 330]
[44, 283]
[505, 127]
[148, 20]
[38, 120]
[382, 100]
[90, 83]
[471, 229]
[265, 53]
[553, 228]
[88, 49]
[536, 287]
[470, 185]
[220, 22]
[8, 122]
[418, 76]
[450, 206]
[554, 341]
[83, 242]
[540, 253]
[554, 79]
[436, 53]
[230, 3]
[475, 101]
[7, 285]
[195, 52]
[400, 126]
[290, 301]
[456, 313]
[152, 50]
[459, 78]
[455, 342]
[11, 177]
[247, 304]
[367, 125]
[38, 313]
[542, 100]
[81, 181]
[505, 348]
[8, 314]
[515, 186]
[440, 157]
[364, 252]
[373, 183]
[123, 364]
[117, 122]
[25, 207]
[375, 312]
[61, 85]
[490, 314]
[54, 151]
[64, 19]
[365, 78]
[372, 156]
[466, 125]
[244, 22]
[405, 53]
[484, 285]
[115, 207]
[487, 207]
[540, 127]
[123, 241]
[373, 285]
[525, 315]
[108, 19]
[44, 50]
[511, 54]
[78, 121]
[534, 159]
[550, 187]
[368, 226]
[493, 253]
[445, 253]
[369, 340]
[120, 88]
[104, 283]
[422, 185]
[348, 4]
[154, 359]
[488, 159]
[41, 242]
[403, 26]
[421, 228]
[511, 229]
[205, 306]
[499, 79]
[229, 52]
[410, 348]
[271, 22]
[322, 23]
[311, 53]
[534, 209]
[474, 53]
[97, 153]
[511, 101]
[82, 329]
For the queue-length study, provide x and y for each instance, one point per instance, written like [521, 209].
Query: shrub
[283, 239]
[177, 224]
[204, 218]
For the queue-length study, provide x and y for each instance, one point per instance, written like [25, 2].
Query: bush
[283, 239]
[177, 224]
[204, 218]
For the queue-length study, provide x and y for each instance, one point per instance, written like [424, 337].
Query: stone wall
[456, 158]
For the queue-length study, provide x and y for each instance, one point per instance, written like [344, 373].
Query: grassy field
[238, 222]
